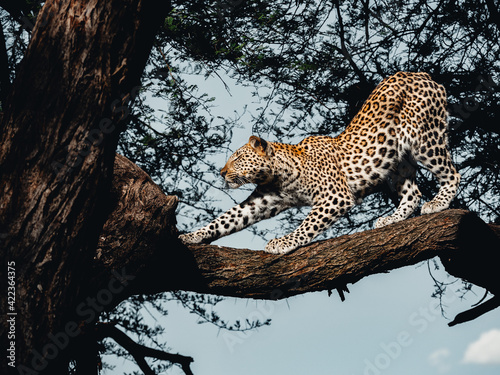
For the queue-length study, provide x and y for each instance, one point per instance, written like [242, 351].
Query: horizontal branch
[140, 235]
[333, 263]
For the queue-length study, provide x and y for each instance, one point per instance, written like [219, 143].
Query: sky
[389, 324]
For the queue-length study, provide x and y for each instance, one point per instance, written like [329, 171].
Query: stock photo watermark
[418, 322]
[263, 312]
[41, 17]
[87, 311]
[96, 136]
[11, 313]
[484, 89]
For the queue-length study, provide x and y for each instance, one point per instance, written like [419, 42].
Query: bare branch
[343, 48]
[475, 312]
[140, 352]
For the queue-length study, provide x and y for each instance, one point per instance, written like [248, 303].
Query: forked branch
[140, 352]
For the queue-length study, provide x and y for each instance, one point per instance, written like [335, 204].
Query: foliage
[311, 65]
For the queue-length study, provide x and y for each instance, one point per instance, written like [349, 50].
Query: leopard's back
[403, 116]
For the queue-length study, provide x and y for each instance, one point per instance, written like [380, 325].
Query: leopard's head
[249, 164]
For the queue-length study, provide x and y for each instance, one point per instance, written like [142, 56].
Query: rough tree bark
[140, 237]
[58, 137]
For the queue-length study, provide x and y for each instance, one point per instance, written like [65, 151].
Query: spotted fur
[402, 122]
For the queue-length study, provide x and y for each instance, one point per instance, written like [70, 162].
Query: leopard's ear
[257, 143]
[260, 145]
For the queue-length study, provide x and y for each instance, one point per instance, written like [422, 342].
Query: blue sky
[389, 324]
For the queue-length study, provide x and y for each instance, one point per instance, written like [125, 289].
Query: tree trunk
[58, 138]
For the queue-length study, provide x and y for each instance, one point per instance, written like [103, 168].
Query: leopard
[401, 126]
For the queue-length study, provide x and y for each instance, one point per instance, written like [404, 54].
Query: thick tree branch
[149, 249]
[140, 352]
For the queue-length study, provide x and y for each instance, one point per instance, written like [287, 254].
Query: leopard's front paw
[193, 238]
[433, 206]
[383, 221]
[279, 246]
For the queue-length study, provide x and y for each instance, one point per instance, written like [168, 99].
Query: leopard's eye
[237, 156]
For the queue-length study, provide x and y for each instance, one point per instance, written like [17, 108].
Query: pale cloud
[440, 360]
[485, 350]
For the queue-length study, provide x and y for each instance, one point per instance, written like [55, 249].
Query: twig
[344, 49]
[168, 66]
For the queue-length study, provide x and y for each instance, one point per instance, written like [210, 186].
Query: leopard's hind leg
[435, 157]
[449, 180]
[409, 195]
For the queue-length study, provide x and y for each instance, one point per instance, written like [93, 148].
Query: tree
[63, 206]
